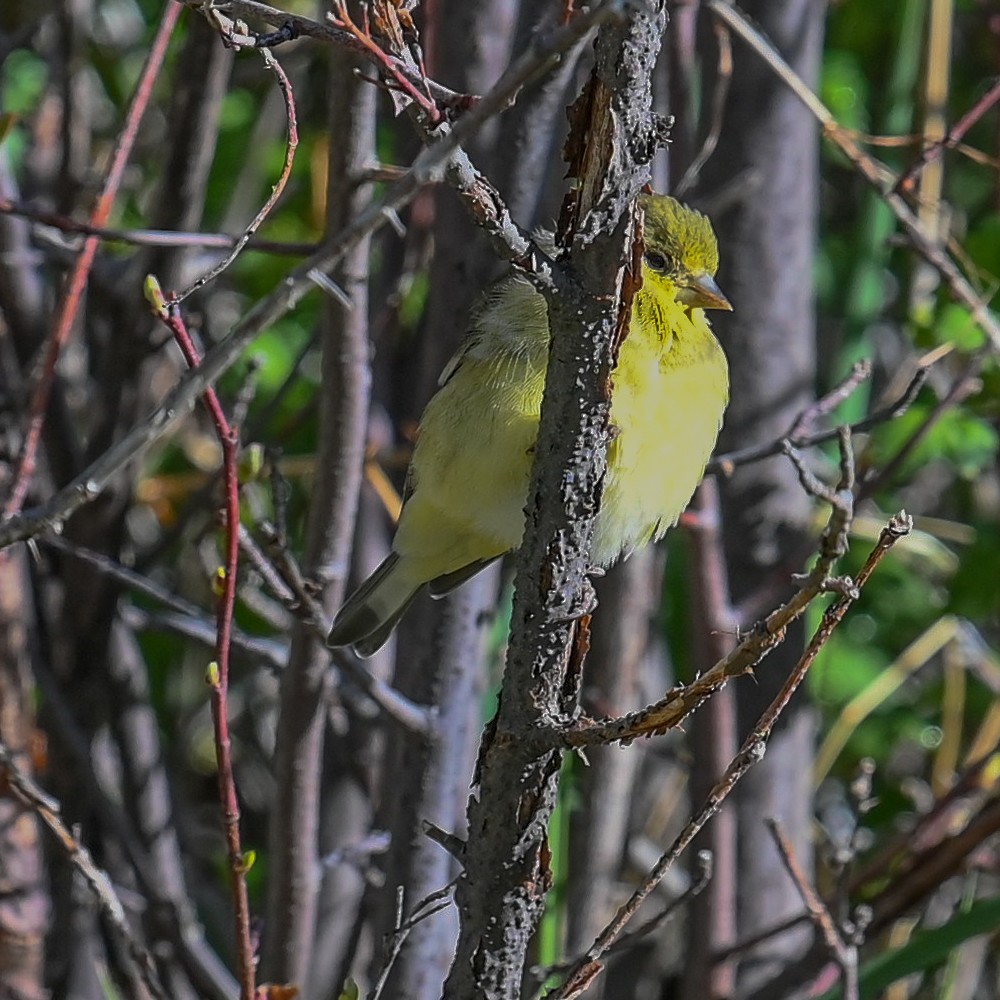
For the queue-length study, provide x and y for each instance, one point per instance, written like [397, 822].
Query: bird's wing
[511, 321]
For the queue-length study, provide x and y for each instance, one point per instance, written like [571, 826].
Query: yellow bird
[468, 480]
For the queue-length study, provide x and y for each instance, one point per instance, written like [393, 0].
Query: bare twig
[798, 437]
[952, 139]
[703, 876]
[149, 237]
[47, 810]
[750, 753]
[218, 672]
[188, 619]
[844, 952]
[270, 653]
[294, 591]
[860, 372]
[964, 385]
[70, 302]
[723, 78]
[427, 907]
[872, 170]
[285, 86]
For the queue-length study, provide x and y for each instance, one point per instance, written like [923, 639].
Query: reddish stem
[70, 303]
[341, 18]
[955, 135]
[219, 681]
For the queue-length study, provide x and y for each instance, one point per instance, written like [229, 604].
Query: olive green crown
[684, 235]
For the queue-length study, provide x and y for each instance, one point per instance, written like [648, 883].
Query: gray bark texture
[769, 237]
[501, 892]
[295, 822]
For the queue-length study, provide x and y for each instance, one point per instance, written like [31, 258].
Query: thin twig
[427, 907]
[874, 172]
[295, 592]
[201, 629]
[150, 237]
[189, 619]
[288, 95]
[70, 301]
[48, 811]
[964, 385]
[218, 672]
[860, 372]
[703, 875]
[845, 953]
[723, 78]
[725, 464]
[750, 753]
[953, 137]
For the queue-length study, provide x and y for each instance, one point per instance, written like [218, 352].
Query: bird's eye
[656, 261]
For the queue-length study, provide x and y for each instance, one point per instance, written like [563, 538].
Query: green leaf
[926, 950]
[954, 325]
[22, 82]
[958, 437]
[975, 587]
[350, 991]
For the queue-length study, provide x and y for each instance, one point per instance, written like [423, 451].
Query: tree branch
[501, 892]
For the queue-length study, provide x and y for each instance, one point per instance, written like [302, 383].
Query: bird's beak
[703, 293]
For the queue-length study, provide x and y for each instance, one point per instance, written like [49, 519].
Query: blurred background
[883, 773]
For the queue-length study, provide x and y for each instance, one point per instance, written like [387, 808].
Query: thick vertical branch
[353, 752]
[502, 891]
[345, 384]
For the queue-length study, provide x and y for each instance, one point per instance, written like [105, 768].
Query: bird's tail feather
[443, 585]
[372, 611]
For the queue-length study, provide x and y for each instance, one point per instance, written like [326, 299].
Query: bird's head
[681, 252]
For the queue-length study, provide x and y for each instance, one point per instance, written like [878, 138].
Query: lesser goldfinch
[468, 479]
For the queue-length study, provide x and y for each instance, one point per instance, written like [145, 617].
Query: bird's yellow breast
[472, 461]
[670, 390]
